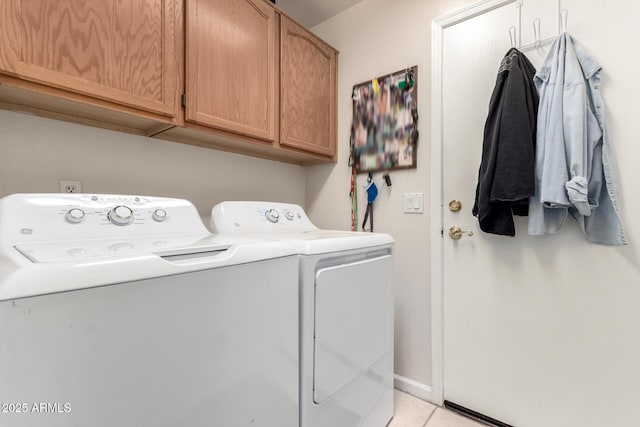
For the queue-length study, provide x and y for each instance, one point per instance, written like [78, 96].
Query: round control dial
[159, 215]
[75, 215]
[121, 215]
[288, 215]
[272, 215]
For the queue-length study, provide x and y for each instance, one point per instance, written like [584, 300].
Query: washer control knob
[288, 215]
[121, 215]
[272, 215]
[75, 215]
[159, 215]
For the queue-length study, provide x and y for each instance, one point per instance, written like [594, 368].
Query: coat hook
[536, 33]
[564, 13]
[512, 35]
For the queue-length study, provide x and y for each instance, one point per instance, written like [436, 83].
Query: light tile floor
[413, 412]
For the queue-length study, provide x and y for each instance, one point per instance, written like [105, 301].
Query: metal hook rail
[538, 43]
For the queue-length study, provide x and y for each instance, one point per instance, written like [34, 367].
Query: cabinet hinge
[184, 99]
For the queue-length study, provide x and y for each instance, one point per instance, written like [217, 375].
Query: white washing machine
[125, 311]
[346, 312]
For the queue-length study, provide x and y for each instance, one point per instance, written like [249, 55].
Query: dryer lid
[288, 222]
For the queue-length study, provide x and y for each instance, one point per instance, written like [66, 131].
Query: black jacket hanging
[506, 175]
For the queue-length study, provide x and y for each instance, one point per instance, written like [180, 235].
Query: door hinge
[442, 232]
[184, 99]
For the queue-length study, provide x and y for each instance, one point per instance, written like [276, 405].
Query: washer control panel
[259, 217]
[56, 217]
[117, 214]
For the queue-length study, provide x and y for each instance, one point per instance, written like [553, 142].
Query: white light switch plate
[414, 203]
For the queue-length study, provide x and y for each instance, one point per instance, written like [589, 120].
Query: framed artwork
[384, 130]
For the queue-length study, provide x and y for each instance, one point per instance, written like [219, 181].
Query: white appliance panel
[29, 218]
[216, 347]
[292, 225]
[259, 217]
[88, 250]
[346, 311]
[352, 329]
[125, 311]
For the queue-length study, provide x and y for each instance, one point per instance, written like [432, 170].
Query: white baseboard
[414, 388]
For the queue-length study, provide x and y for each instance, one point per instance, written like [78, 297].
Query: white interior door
[538, 331]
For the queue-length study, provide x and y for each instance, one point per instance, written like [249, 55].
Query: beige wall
[36, 152]
[377, 37]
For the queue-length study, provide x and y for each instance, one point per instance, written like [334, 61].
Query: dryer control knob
[272, 215]
[75, 215]
[288, 215]
[121, 215]
[159, 215]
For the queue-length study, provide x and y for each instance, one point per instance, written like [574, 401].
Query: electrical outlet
[70, 186]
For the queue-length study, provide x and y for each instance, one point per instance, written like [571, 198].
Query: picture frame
[384, 130]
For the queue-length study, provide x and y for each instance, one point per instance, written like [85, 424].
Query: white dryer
[125, 311]
[346, 312]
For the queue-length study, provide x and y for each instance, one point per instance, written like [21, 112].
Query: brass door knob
[456, 232]
[455, 206]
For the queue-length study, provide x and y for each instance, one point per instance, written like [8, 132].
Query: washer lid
[88, 250]
[53, 269]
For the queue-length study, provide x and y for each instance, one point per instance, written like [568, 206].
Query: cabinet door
[231, 75]
[116, 50]
[308, 91]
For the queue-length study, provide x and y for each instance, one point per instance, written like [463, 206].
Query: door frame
[437, 203]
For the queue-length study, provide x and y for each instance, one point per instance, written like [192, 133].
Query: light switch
[408, 202]
[413, 202]
[418, 202]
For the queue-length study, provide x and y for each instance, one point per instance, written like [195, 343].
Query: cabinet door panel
[117, 50]
[138, 71]
[308, 91]
[232, 66]
[67, 37]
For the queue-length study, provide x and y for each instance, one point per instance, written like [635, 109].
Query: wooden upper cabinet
[308, 91]
[231, 66]
[115, 50]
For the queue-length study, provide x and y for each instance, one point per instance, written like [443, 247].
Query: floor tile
[410, 411]
[444, 418]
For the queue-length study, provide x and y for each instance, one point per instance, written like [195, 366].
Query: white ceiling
[313, 12]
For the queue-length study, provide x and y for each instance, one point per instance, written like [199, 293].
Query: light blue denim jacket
[573, 161]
